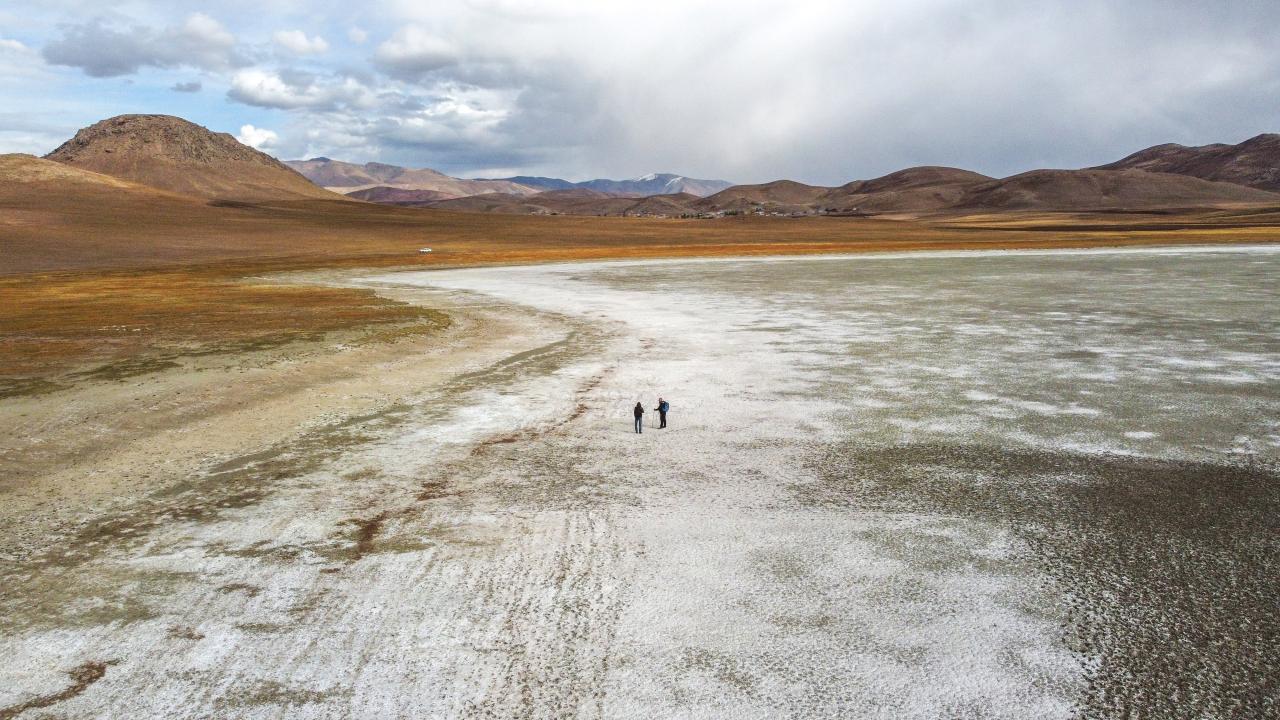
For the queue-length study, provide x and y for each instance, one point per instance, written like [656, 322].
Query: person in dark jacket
[663, 407]
[639, 413]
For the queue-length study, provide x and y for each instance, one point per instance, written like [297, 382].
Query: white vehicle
[424, 251]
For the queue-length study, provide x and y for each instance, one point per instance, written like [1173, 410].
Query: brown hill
[55, 216]
[776, 196]
[348, 177]
[175, 155]
[501, 203]
[918, 189]
[333, 174]
[672, 205]
[575, 194]
[28, 181]
[22, 171]
[1254, 162]
[1104, 190]
[399, 196]
[581, 201]
[573, 201]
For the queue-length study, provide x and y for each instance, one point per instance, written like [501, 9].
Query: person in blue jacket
[663, 407]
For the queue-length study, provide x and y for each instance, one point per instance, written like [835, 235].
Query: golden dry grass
[116, 324]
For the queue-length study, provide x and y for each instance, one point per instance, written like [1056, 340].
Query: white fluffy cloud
[461, 127]
[255, 137]
[297, 42]
[292, 90]
[22, 68]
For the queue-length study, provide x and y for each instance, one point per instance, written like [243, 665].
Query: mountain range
[924, 190]
[643, 186]
[138, 155]
[911, 192]
[1159, 177]
[344, 177]
[153, 190]
[348, 178]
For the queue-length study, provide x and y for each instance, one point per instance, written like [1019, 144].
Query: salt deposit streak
[741, 603]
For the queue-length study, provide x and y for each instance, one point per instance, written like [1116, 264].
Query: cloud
[24, 77]
[256, 137]
[412, 52]
[831, 91]
[297, 42]
[823, 91]
[451, 128]
[102, 49]
[187, 87]
[293, 90]
[34, 133]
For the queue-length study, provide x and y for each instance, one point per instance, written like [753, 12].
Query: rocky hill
[172, 154]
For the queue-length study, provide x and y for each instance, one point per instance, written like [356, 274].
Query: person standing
[663, 407]
[639, 413]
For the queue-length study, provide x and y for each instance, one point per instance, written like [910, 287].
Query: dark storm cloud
[827, 92]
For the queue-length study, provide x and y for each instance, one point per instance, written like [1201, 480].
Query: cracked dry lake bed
[939, 485]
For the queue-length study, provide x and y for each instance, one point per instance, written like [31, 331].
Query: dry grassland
[113, 286]
[58, 329]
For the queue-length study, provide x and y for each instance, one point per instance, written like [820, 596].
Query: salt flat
[911, 486]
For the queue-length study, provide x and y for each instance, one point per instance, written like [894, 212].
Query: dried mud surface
[1170, 564]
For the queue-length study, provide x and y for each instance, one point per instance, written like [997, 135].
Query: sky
[746, 91]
